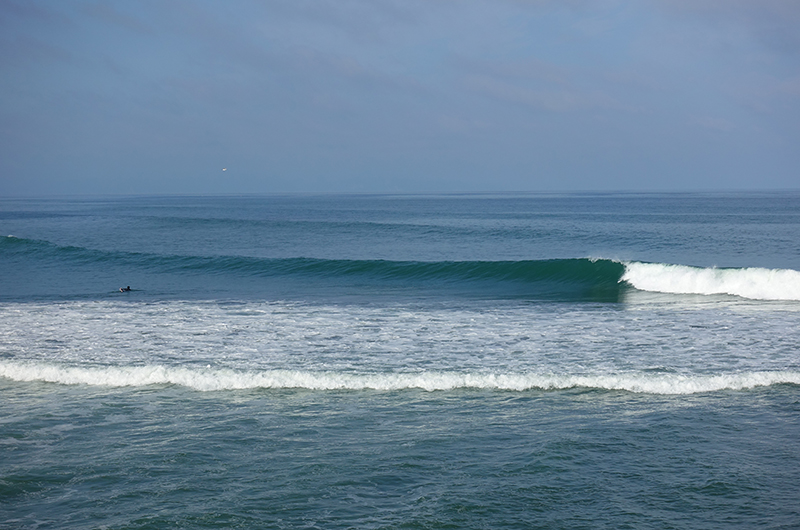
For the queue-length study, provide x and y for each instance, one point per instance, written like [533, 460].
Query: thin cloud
[563, 100]
[774, 22]
[715, 124]
[106, 13]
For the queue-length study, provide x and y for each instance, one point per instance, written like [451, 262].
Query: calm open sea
[473, 361]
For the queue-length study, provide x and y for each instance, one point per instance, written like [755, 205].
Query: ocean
[489, 361]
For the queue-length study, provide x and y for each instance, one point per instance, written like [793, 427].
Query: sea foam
[217, 379]
[752, 283]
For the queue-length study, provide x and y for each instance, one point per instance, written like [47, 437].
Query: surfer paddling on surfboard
[125, 289]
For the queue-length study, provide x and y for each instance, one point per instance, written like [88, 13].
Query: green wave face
[569, 279]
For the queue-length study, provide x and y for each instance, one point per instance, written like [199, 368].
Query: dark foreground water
[401, 362]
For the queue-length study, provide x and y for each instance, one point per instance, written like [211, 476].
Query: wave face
[558, 270]
[567, 279]
[752, 283]
[210, 379]
[557, 278]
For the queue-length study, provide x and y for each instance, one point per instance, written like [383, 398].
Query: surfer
[125, 289]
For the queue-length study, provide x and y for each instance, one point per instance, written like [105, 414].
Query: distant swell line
[221, 379]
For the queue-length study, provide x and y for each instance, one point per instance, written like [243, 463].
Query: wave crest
[752, 283]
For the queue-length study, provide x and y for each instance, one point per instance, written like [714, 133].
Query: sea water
[465, 361]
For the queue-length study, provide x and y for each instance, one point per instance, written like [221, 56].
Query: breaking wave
[220, 379]
[572, 278]
[752, 283]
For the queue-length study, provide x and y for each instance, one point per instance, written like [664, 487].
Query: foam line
[216, 379]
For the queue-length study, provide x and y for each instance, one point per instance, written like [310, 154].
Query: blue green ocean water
[460, 361]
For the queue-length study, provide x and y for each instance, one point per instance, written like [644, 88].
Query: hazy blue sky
[410, 96]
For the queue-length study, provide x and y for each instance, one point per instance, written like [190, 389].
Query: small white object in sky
[224, 169]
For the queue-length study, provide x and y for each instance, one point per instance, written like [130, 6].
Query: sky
[389, 96]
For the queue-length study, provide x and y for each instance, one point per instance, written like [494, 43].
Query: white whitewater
[753, 283]
[216, 379]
